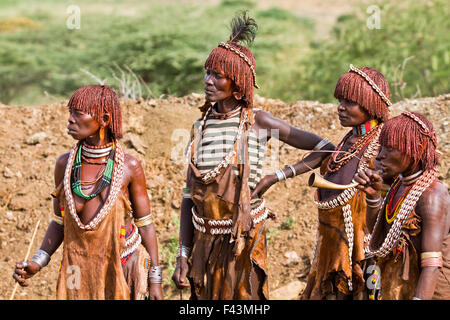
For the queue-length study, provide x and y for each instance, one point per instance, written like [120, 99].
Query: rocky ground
[32, 137]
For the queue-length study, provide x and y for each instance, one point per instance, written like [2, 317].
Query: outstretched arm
[141, 209]
[272, 127]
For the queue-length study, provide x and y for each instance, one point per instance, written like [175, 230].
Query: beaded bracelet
[186, 193]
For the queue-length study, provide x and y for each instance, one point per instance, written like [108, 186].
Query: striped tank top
[218, 138]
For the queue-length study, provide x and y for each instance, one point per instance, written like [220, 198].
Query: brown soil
[31, 139]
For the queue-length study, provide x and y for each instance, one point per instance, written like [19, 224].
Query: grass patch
[411, 49]
[165, 45]
[288, 224]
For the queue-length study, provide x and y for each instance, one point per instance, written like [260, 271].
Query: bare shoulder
[434, 202]
[436, 192]
[61, 162]
[60, 167]
[133, 165]
[263, 118]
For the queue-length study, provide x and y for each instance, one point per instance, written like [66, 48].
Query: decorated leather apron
[102, 259]
[228, 259]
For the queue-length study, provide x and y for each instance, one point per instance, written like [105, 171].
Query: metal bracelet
[373, 200]
[373, 203]
[59, 220]
[41, 257]
[184, 251]
[416, 298]
[155, 275]
[186, 193]
[322, 143]
[280, 175]
[143, 221]
[292, 169]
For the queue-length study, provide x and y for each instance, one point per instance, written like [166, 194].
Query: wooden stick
[26, 256]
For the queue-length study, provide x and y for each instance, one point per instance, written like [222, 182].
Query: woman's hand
[25, 270]
[264, 185]
[179, 275]
[156, 291]
[370, 182]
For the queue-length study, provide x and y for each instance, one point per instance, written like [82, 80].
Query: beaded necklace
[96, 179]
[113, 194]
[98, 162]
[344, 197]
[365, 127]
[338, 159]
[405, 208]
[105, 181]
[392, 211]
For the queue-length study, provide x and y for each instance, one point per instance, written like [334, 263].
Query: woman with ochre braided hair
[102, 211]
[410, 242]
[222, 229]
[338, 257]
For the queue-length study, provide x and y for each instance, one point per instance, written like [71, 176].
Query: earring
[102, 133]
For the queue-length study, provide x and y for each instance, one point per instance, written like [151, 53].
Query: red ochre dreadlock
[413, 135]
[98, 100]
[236, 61]
[354, 87]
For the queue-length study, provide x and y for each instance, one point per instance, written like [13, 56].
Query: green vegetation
[159, 48]
[411, 49]
[288, 224]
[164, 44]
[169, 255]
[271, 234]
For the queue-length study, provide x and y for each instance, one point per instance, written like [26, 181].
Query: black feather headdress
[243, 29]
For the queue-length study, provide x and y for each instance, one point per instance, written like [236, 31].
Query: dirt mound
[155, 131]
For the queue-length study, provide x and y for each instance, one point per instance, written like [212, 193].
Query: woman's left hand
[156, 291]
[264, 185]
[369, 181]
